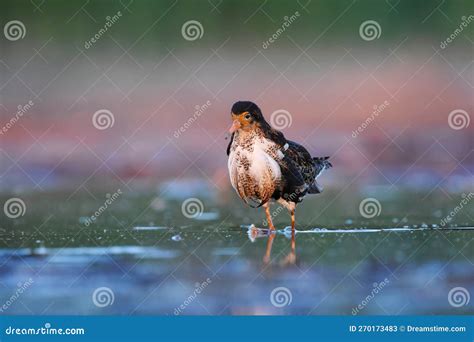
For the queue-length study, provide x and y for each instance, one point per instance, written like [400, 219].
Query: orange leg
[293, 230]
[268, 252]
[269, 216]
[291, 257]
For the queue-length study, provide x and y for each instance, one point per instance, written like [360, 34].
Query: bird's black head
[246, 115]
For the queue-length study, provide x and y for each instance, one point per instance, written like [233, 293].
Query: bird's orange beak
[235, 126]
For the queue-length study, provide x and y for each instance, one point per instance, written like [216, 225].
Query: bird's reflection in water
[255, 233]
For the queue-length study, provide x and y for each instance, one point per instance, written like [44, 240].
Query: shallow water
[154, 260]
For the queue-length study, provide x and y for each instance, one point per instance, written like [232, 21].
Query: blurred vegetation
[160, 21]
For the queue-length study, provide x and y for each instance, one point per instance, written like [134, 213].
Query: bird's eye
[247, 117]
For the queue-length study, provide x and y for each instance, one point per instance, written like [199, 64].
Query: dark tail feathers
[321, 164]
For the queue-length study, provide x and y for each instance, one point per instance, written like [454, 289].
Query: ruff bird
[264, 165]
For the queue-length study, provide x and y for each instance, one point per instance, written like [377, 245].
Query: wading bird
[264, 166]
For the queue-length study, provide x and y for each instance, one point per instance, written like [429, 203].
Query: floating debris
[207, 216]
[176, 237]
[348, 221]
[150, 228]
[84, 219]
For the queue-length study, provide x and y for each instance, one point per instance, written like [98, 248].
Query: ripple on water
[76, 253]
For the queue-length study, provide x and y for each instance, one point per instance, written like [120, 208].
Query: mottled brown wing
[303, 161]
